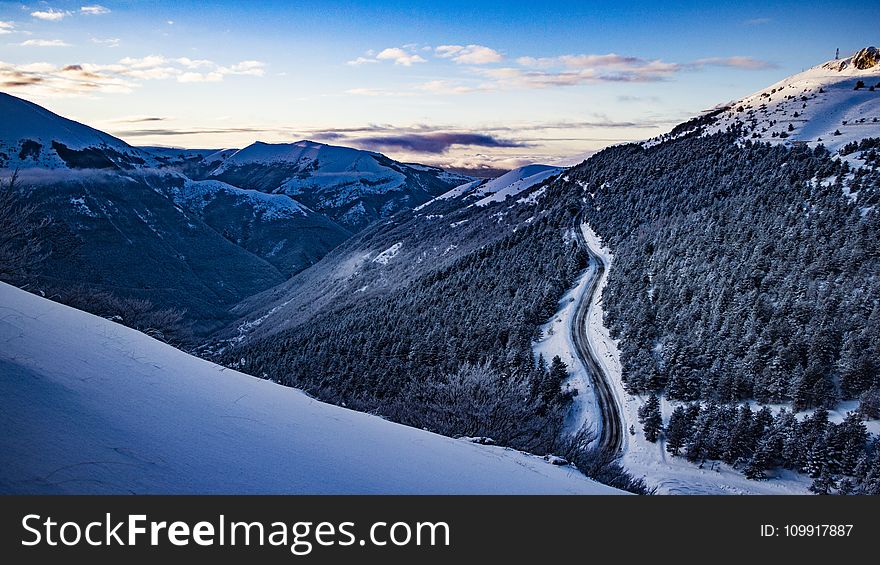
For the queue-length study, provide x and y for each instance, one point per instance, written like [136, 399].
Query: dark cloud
[173, 132]
[138, 120]
[434, 143]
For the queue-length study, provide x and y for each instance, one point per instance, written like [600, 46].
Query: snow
[271, 206]
[456, 192]
[386, 256]
[825, 100]
[321, 167]
[23, 120]
[515, 182]
[90, 406]
[670, 475]
[533, 197]
[500, 188]
[556, 339]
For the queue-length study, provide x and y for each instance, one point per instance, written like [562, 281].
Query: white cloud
[250, 68]
[44, 43]
[200, 77]
[449, 87]
[748, 63]
[362, 61]
[95, 10]
[469, 54]
[7, 27]
[194, 63]
[108, 42]
[45, 79]
[51, 15]
[399, 56]
[147, 62]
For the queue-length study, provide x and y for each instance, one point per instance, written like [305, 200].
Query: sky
[456, 84]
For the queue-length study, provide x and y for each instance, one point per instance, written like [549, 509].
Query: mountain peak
[864, 59]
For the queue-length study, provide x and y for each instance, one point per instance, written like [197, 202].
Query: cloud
[44, 43]
[433, 143]
[362, 61]
[44, 79]
[582, 61]
[469, 54]
[251, 68]
[757, 21]
[747, 63]
[95, 10]
[108, 42]
[7, 27]
[399, 56]
[50, 15]
[449, 87]
[138, 119]
[200, 77]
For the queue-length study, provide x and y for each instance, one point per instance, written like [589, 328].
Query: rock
[866, 58]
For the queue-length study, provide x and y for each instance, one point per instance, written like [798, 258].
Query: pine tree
[651, 418]
[823, 483]
[677, 430]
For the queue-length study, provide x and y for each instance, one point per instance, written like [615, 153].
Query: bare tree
[21, 231]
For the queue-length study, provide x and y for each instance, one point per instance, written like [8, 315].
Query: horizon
[497, 85]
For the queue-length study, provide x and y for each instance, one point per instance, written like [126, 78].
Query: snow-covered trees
[22, 241]
[651, 419]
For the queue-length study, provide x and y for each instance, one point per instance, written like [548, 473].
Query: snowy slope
[500, 188]
[89, 406]
[198, 194]
[643, 459]
[816, 104]
[514, 182]
[352, 186]
[32, 136]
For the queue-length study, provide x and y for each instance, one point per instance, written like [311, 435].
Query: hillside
[832, 104]
[89, 406]
[351, 186]
[33, 137]
[742, 295]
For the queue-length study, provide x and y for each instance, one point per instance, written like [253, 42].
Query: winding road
[611, 436]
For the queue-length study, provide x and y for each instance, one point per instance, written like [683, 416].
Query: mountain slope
[128, 222]
[820, 105]
[89, 406]
[31, 137]
[350, 186]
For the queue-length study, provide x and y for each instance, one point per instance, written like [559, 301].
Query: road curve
[611, 436]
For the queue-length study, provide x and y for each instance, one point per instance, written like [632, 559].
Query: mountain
[743, 281]
[89, 406]
[832, 104]
[33, 137]
[500, 188]
[350, 186]
[389, 254]
[128, 222]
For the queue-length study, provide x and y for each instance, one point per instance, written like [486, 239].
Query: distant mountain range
[197, 230]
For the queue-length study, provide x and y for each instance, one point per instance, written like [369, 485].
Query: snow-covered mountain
[500, 188]
[389, 254]
[833, 103]
[89, 406]
[33, 137]
[351, 186]
[130, 221]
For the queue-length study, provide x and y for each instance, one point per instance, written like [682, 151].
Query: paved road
[611, 437]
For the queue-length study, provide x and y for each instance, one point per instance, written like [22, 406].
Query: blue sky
[452, 83]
